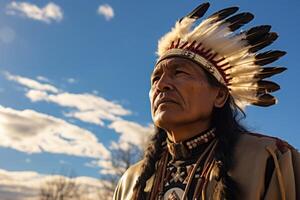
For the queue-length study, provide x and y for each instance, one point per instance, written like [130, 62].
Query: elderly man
[204, 76]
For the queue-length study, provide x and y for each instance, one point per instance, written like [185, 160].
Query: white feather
[251, 90]
[204, 27]
[178, 31]
[243, 79]
[239, 70]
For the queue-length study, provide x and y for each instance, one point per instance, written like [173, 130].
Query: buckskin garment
[253, 152]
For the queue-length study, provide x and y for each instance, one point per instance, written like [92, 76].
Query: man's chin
[165, 120]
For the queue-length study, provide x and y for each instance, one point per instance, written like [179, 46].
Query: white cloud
[132, 132]
[107, 168]
[107, 11]
[36, 95]
[43, 79]
[32, 132]
[71, 80]
[86, 107]
[30, 83]
[51, 12]
[25, 185]
[7, 35]
[93, 109]
[87, 102]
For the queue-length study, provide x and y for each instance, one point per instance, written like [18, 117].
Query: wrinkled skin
[182, 99]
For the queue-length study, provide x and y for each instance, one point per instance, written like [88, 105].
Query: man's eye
[180, 72]
[154, 79]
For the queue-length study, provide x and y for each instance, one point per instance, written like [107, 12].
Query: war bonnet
[232, 58]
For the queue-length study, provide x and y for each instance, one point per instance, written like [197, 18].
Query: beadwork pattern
[201, 139]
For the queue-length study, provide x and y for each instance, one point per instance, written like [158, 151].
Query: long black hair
[228, 128]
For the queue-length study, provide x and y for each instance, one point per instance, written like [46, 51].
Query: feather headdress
[232, 58]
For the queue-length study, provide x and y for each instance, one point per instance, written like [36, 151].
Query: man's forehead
[174, 62]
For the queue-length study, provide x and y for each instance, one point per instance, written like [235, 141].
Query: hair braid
[228, 131]
[152, 155]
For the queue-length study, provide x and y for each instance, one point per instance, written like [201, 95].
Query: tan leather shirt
[251, 155]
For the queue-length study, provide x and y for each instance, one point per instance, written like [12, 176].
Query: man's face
[180, 94]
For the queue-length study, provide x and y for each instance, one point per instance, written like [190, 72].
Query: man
[203, 76]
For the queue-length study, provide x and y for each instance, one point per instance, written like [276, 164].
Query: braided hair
[151, 156]
[228, 128]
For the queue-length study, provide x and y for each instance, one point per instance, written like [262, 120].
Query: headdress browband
[195, 57]
[230, 57]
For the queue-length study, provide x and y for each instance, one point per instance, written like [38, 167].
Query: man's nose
[164, 83]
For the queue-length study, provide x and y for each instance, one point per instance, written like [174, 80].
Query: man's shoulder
[134, 169]
[256, 158]
[132, 172]
[259, 142]
[124, 190]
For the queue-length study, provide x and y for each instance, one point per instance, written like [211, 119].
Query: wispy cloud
[86, 107]
[71, 80]
[43, 79]
[25, 185]
[50, 12]
[107, 11]
[30, 83]
[33, 132]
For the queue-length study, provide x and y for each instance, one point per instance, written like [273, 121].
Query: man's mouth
[164, 101]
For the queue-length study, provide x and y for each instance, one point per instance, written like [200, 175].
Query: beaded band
[195, 57]
[201, 139]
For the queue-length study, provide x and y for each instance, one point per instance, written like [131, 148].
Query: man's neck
[184, 132]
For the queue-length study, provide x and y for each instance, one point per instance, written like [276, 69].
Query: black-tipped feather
[268, 86]
[268, 57]
[224, 13]
[262, 42]
[257, 32]
[269, 71]
[199, 11]
[239, 20]
[264, 100]
[254, 35]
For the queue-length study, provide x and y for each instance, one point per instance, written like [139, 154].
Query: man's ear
[221, 97]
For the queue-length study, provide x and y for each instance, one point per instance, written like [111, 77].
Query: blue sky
[82, 71]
